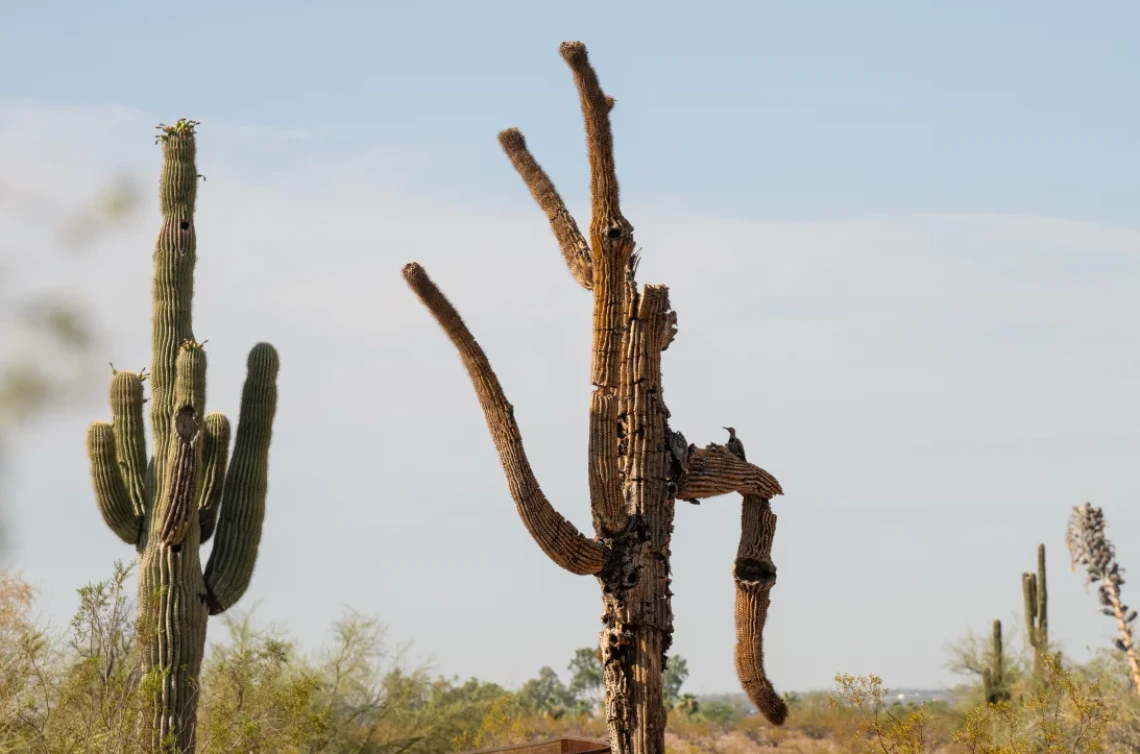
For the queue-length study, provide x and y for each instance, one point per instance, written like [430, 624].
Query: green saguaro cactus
[993, 677]
[1036, 611]
[167, 506]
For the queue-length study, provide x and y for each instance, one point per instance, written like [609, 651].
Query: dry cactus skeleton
[1089, 546]
[170, 504]
[638, 466]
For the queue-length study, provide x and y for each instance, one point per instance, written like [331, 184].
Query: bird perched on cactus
[734, 445]
[168, 504]
[639, 465]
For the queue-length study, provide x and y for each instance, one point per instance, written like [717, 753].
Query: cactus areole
[168, 505]
[638, 466]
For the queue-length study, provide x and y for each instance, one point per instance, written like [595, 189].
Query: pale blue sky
[919, 219]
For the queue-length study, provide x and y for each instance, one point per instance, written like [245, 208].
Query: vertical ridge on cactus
[637, 465]
[168, 505]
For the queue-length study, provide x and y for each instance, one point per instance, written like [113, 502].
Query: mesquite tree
[638, 466]
[166, 507]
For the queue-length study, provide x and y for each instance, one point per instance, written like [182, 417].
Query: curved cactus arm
[755, 575]
[215, 454]
[573, 244]
[242, 513]
[713, 471]
[558, 538]
[130, 435]
[111, 494]
[1029, 593]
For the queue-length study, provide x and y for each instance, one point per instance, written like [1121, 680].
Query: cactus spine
[168, 505]
[1036, 595]
[638, 467]
[993, 677]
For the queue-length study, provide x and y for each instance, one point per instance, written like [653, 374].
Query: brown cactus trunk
[638, 467]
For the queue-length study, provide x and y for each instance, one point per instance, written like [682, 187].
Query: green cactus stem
[1036, 595]
[170, 502]
[994, 683]
[637, 466]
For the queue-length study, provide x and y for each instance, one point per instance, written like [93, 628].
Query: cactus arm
[557, 537]
[230, 567]
[111, 494]
[178, 510]
[573, 244]
[755, 575]
[174, 258]
[714, 471]
[1029, 592]
[215, 452]
[177, 504]
[130, 435]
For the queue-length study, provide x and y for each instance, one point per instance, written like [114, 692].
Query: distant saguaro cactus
[1088, 546]
[167, 506]
[1036, 594]
[637, 466]
[993, 678]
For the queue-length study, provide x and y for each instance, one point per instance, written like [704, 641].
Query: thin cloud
[925, 387]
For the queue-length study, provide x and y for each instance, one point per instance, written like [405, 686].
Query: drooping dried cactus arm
[557, 537]
[755, 575]
[713, 471]
[242, 507]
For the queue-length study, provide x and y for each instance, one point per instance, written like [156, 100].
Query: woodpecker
[734, 445]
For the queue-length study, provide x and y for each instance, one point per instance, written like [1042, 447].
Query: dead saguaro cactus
[168, 505]
[1089, 546]
[637, 466]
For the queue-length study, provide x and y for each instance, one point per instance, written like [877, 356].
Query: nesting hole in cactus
[614, 233]
[184, 225]
[176, 548]
[754, 571]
